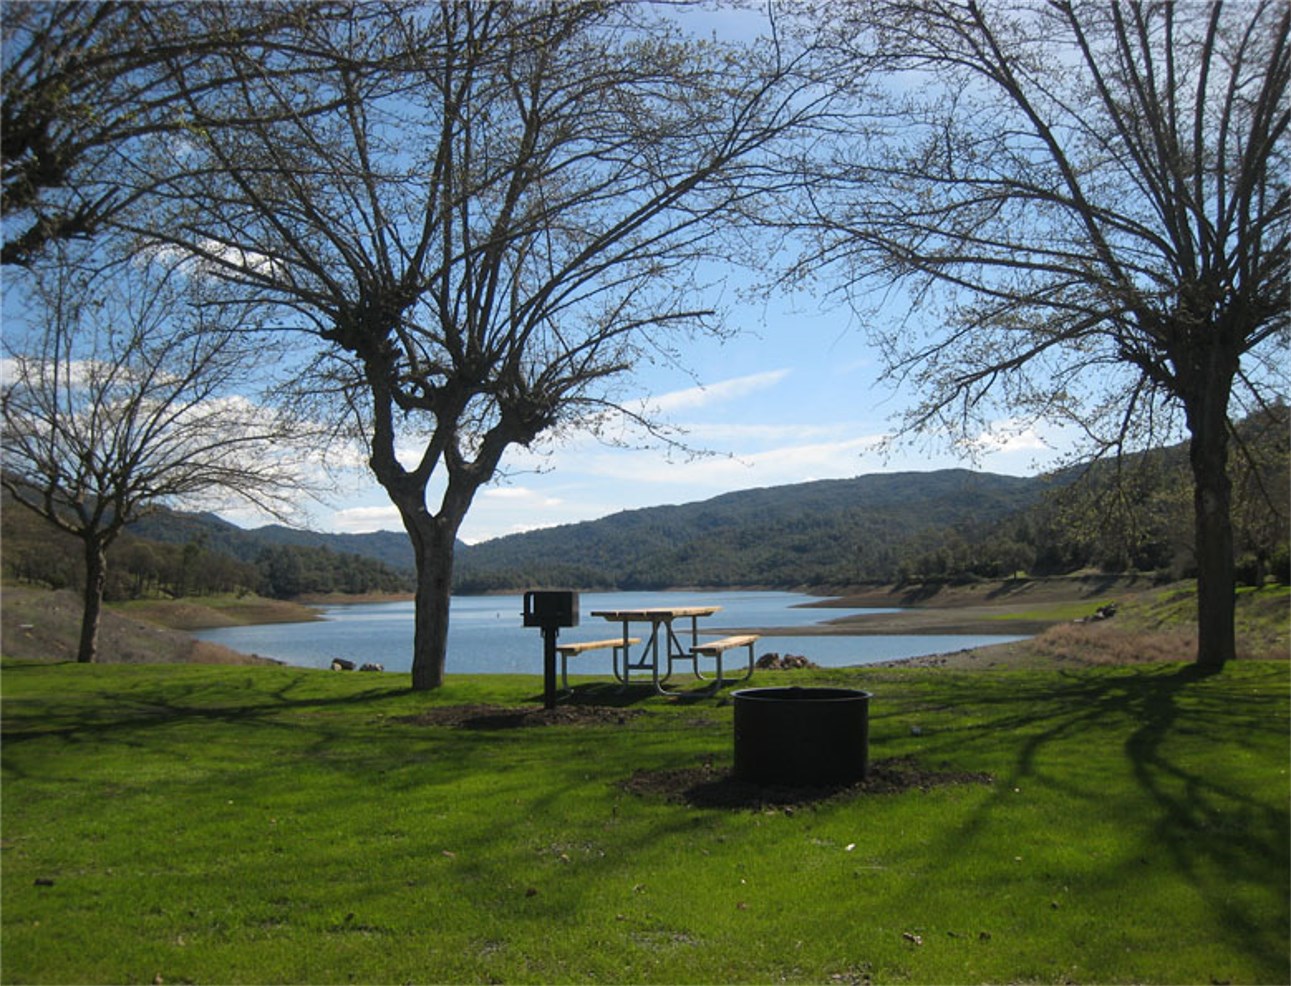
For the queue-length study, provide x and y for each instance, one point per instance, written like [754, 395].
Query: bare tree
[93, 117]
[123, 392]
[492, 225]
[1098, 192]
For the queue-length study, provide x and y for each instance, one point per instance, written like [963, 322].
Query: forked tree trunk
[96, 570]
[1212, 503]
[433, 542]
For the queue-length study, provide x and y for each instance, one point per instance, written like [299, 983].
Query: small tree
[1098, 192]
[123, 393]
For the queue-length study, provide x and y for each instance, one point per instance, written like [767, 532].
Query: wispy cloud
[786, 464]
[519, 496]
[789, 463]
[1006, 436]
[715, 393]
[747, 434]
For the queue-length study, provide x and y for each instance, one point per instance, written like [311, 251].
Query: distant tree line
[140, 568]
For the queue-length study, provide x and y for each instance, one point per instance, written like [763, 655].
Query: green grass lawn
[211, 824]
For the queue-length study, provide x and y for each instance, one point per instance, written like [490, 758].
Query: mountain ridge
[776, 528]
[778, 535]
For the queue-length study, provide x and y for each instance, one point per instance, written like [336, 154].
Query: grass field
[219, 824]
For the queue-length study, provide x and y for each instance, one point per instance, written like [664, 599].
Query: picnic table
[663, 648]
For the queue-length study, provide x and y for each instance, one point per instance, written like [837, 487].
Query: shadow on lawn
[609, 694]
[131, 710]
[1218, 833]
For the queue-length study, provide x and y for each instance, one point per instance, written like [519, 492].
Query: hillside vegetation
[1132, 516]
[832, 532]
[175, 555]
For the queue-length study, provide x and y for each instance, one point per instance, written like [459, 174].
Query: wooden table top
[654, 613]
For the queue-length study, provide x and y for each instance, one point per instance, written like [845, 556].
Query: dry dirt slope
[44, 625]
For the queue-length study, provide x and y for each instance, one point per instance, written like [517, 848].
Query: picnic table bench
[716, 648]
[566, 651]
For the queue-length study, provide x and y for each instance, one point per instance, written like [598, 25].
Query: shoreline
[1055, 616]
[1012, 608]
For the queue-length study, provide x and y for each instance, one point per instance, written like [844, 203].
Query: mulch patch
[706, 785]
[709, 786]
[507, 717]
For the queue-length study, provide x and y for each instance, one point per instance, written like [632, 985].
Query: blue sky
[793, 397]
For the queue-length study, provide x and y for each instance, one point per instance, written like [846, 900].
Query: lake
[485, 634]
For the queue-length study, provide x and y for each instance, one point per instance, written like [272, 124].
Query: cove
[485, 635]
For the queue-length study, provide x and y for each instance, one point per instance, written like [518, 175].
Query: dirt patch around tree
[712, 786]
[508, 717]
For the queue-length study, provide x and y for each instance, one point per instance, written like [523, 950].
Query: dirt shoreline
[1023, 608]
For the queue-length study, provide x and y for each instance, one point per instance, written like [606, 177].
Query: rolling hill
[825, 532]
[829, 531]
[391, 548]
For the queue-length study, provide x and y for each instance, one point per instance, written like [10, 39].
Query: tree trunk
[1212, 502]
[96, 571]
[433, 543]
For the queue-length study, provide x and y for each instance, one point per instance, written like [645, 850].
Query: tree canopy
[1087, 205]
[482, 214]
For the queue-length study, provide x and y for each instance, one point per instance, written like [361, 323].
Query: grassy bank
[190, 824]
[217, 611]
[1151, 625]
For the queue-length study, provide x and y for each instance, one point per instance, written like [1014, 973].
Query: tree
[124, 392]
[92, 116]
[1098, 192]
[507, 209]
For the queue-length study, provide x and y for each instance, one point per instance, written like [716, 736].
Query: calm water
[485, 635]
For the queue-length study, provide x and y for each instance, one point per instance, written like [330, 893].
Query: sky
[795, 396]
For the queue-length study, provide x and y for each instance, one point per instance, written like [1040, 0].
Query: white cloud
[774, 467]
[213, 256]
[519, 496]
[716, 393]
[361, 520]
[1007, 436]
[756, 434]
[791, 463]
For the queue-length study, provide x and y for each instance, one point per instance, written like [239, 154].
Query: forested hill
[391, 548]
[825, 532]
[909, 526]
[1116, 516]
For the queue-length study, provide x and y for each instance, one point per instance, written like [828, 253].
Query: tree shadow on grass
[492, 717]
[1218, 832]
[1205, 824]
[713, 785]
[131, 710]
